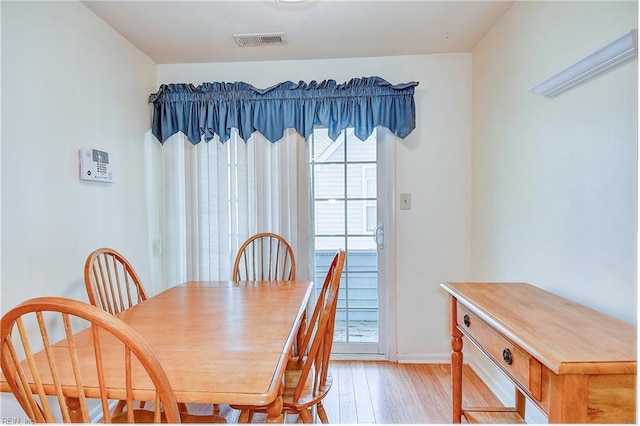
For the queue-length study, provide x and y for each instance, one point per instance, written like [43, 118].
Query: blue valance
[215, 108]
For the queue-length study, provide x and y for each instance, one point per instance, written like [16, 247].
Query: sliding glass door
[345, 189]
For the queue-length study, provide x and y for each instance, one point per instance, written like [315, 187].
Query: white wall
[69, 81]
[555, 180]
[432, 163]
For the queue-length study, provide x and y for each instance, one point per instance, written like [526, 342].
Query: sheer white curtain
[214, 196]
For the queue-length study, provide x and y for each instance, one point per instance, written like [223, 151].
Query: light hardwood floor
[386, 392]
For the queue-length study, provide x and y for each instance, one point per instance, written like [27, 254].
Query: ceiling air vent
[263, 39]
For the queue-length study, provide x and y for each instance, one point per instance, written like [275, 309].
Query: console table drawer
[518, 364]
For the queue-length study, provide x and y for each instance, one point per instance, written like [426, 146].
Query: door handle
[378, 237]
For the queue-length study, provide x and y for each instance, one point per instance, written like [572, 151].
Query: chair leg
[306, 417]
[216, 409]
[244, 416]
[321, 413]
[119, 407]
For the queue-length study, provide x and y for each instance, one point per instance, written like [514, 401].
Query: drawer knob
[467, 320]
[507, 356]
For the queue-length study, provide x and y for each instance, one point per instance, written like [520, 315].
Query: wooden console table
[576, 364]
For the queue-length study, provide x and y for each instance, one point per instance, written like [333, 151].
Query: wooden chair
[307, 378]
[52, 316]
[112, 283]
[265, 257]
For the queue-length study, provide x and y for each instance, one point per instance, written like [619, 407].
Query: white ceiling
[202, 31]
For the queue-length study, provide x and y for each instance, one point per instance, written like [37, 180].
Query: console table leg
[520, 403]
[456, 365]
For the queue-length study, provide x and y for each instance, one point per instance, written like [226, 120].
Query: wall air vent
[262, 39]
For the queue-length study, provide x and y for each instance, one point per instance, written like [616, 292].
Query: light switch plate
[405, 201]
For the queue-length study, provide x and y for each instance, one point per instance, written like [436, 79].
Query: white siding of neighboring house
[329, 184]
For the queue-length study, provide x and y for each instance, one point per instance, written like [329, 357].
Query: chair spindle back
[318, 341]
[265, 257]
[112, 283]
[36, 323]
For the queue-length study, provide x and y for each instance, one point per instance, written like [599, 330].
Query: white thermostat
[96, 165]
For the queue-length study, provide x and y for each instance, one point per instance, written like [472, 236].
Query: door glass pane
[324, 149]
[362, 290]
[328, 181]
[361, 180]
[361, 150]
[333, 217]
[361, 219]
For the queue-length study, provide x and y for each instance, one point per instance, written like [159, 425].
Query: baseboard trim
[423, 358]
[401, 358]
[359, 357]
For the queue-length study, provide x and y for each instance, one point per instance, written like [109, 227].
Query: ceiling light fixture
[613, 54]
[291, 1]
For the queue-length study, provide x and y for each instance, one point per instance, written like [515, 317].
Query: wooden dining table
[219, 342]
